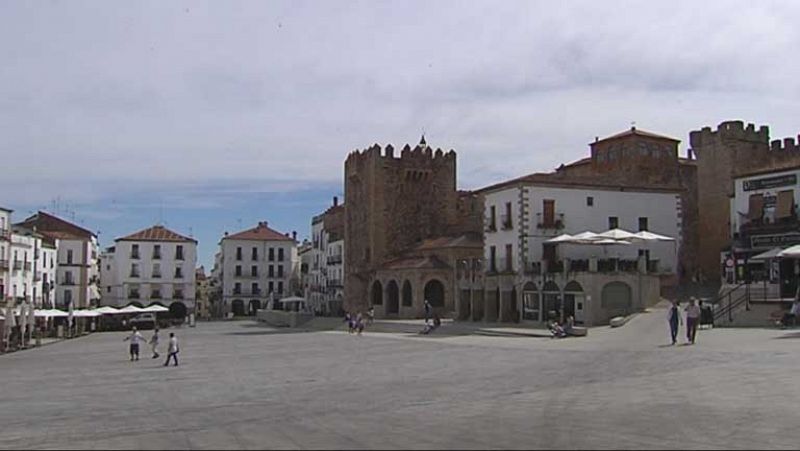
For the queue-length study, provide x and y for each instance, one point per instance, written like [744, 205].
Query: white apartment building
[326, 273]
[5, 255]
[151, 266]
[76, 262]
[25, 245]
[259, 266]
[526, 278]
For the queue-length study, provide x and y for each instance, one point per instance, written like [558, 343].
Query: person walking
[692, 320]
[370, 316]
[154, 343]
[135, 338]
[427, 306]
[674, 318]
[172, 351]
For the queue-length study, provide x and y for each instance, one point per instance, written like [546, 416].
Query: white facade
[5, 255]
[335, 273]
[149, 271]
[77, 272]
[24, 249]
[317, 272]
[258, 268]
[578, 210]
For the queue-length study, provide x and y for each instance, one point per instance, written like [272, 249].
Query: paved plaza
[246, 386]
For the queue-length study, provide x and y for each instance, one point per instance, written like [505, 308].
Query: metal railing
[4, 265]
[730, 301]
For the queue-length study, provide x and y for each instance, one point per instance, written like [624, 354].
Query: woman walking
[674, 317]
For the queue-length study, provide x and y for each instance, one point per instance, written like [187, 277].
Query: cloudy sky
[210, 116]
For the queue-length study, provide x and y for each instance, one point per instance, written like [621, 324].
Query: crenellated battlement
[420, 156]
[785, 145]
[729, 130]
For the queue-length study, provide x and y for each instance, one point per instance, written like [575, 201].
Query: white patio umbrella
[565, 238]
[107, 310]
[131, 309]
[790, 252]
[617, 234]
[585, 237]
[85, 314]
[155, 308]
[650, 236]
[56, 313]
[768, 255]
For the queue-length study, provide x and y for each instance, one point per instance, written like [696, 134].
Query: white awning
[790, 252]
[107, 310]
[131, 309]
[617, 234]
[650, 236]
[155, 308]
[770, 254]
[565, 238]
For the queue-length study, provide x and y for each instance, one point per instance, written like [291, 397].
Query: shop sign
[770, 182]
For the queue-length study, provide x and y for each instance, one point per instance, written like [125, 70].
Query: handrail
[733, 304]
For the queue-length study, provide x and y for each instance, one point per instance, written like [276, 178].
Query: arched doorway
[255, 305]
[392, 298]
[551, 302]
[530, 302]
[237, 307]
[408, 300]
[377, 293]
[177, 310]
[434, 293]
[616, 299]
[573, 301]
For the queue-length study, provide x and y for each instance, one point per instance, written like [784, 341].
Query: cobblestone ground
[244, 386]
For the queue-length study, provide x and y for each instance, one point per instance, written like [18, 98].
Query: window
[157, 252]
[179, 273]
[69, 256]
[280, 270]
[156, 271]
[68, 280]
[237, 288]
[67, 297]
[108, 289]
[548, 212]
[155, 292]
[590, 201]
[492, 255]
[509, 257]
[134, 270]
[254, 289]
[492, 218]
[549, 252]
[271, 254]
[238, 272]
[280, 287]
[613, 222]
[134, 251]
[238, 253]
[642, 224]
[254, 271]
[280, 254]
[254, 255]
[271, 271]
[271, 287]
[507, 225]
[179, 252]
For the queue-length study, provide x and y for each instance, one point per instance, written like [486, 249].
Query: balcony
[179, 275]
[17, 265]
[37, 276]
[506, 223]
[237, 291]
[28, 266]
[133, 295]
[335, 283]
[334, 259]
[155, 295]
[534, 268]
[555, 267]
[179, 256]
[68, 282]
[135, 256]
[156, 275]
[3, 265]
[5, 234]
[492, 227]
[134, 274]
[550, 223]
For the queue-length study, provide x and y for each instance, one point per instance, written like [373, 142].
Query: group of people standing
[675, 319]
[356, 323]
[136, 338]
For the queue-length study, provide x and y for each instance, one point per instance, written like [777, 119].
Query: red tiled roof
[56, 227]
[259, 233]
[155, 233]
[636, 132]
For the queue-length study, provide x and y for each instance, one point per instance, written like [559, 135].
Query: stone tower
[722, 154]
[392, 203]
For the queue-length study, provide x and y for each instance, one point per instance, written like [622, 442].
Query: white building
[152, 266]
[76, 264]
[5, 255]
[527, 278]
[326, 273]
[258, 266]
[25, 245]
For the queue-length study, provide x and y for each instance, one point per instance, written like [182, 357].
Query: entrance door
[580, 306]
[569, 305]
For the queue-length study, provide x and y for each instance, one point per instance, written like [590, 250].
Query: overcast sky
[213, 115]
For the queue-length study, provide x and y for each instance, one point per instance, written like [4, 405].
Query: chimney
[335, 201]
[294, 235]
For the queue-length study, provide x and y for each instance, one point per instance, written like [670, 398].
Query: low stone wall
[280, 318]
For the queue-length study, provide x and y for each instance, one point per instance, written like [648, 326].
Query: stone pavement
[246, 386]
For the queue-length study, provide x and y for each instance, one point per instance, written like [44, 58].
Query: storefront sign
[770, 182]
[770, 241]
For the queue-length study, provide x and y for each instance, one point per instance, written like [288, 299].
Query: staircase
[746, 305]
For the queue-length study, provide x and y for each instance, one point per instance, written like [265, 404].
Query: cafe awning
[770, 254]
